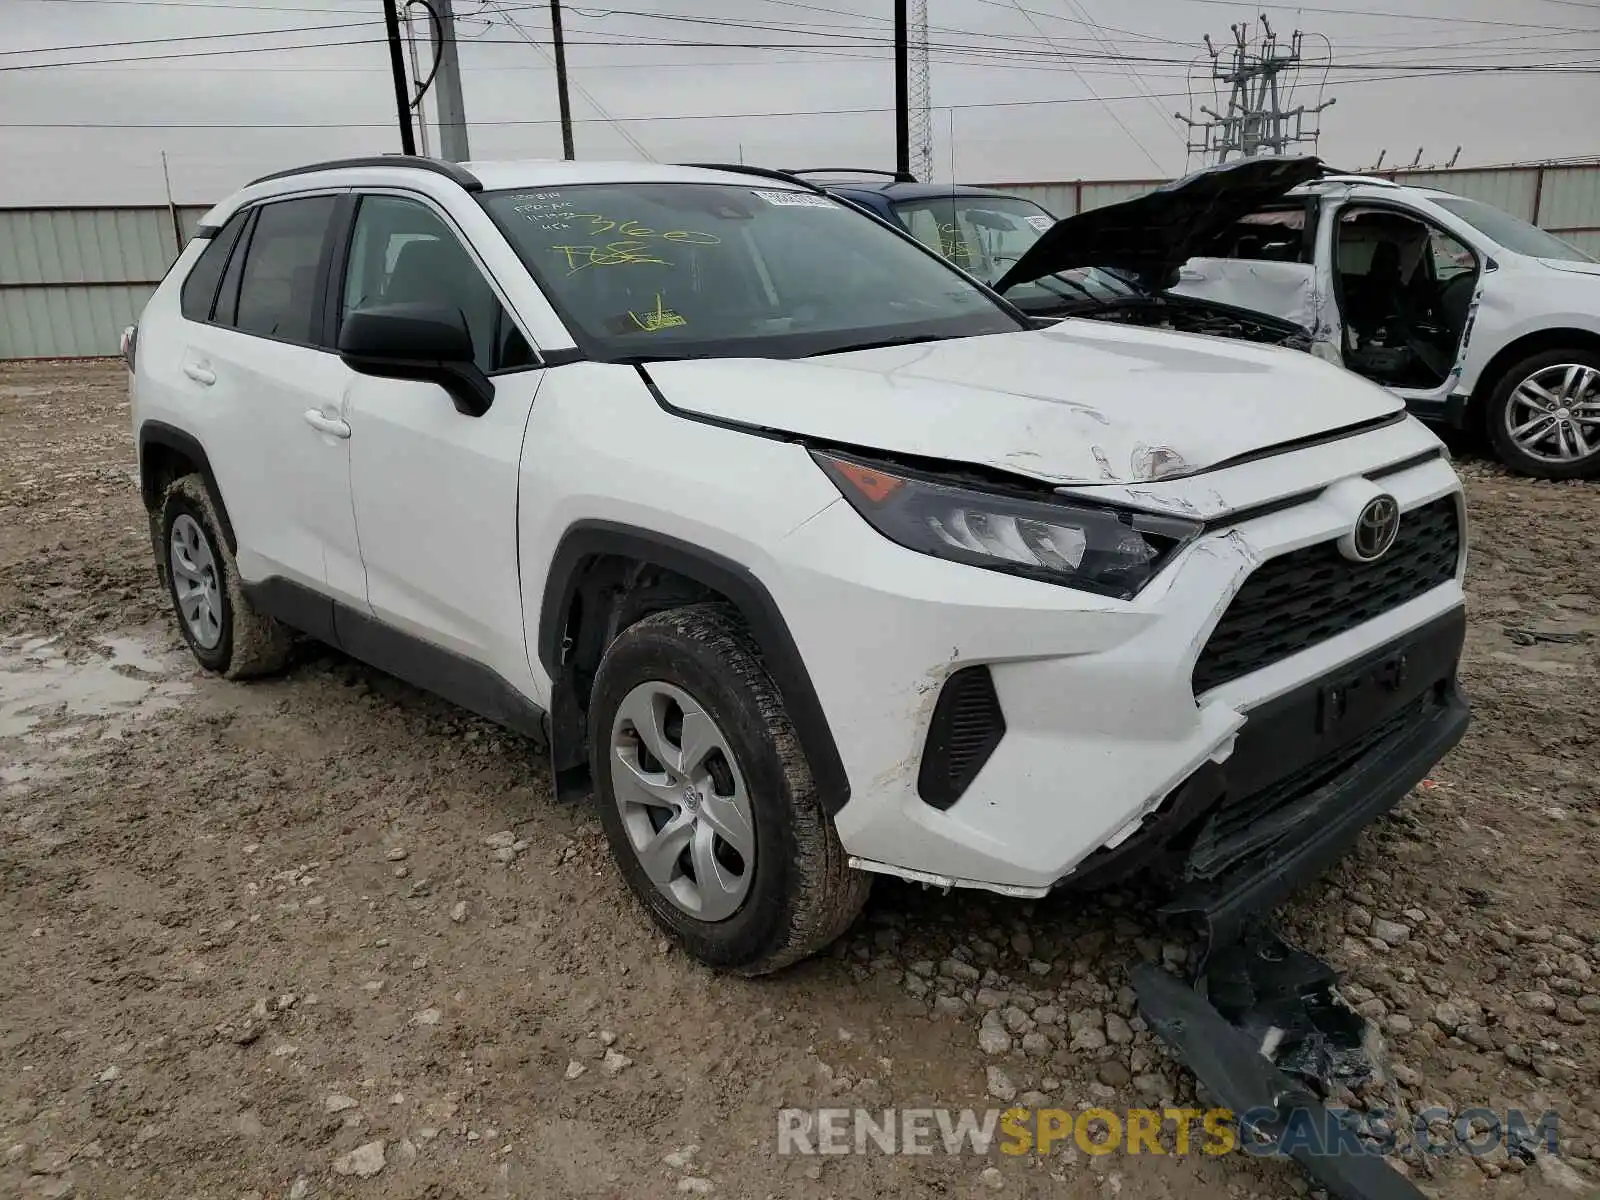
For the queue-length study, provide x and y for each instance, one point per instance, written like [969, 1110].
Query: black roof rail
[897, 176]
[764, 172]
[415, 162]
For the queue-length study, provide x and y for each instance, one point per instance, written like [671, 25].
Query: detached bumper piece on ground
[1262, 1026]
[1234, 1065]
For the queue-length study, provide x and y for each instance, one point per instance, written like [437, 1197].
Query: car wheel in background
[1544, 415]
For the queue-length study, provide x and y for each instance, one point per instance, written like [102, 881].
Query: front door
[435, 489]
[1407, 290]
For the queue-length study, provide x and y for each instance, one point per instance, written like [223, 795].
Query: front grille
[966, 727]
[1307, 596]
[1240, 827]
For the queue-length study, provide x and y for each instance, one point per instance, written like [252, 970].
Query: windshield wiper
[636, 360]
[879, 344]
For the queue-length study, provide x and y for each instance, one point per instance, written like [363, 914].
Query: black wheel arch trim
[159, 433]
[590, 538]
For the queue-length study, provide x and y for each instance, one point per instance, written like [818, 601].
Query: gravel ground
[323, 935]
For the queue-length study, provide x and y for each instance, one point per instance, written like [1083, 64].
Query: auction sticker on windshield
[1040, 223]
[796, 200]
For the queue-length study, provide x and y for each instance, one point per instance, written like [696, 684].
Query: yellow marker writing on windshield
[658, 318]
[612, 254]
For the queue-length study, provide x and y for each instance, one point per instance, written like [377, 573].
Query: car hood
[1158, 232]
[1080, 402]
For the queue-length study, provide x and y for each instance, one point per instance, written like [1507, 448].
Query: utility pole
[397, 68]
[919, 89]
[416, 74]
[172, 205]
[561, 80]
[452, 112]
[902, 91]
[1259, 76]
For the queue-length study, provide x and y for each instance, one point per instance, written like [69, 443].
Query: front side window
[402, 252]
[1515, 234]
[985, 235]
[280, 280]
[1450, 257]
[679, 270]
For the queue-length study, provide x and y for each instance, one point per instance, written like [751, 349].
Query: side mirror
[420, 342]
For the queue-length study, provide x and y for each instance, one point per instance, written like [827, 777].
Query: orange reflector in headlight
[874, 485]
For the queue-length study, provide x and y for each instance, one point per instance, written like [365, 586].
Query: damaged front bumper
[1308, 772]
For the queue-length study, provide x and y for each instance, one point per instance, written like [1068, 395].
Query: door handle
[323, 423]
[200, 374]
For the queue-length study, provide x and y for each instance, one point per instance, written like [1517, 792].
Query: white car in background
[1477, 319]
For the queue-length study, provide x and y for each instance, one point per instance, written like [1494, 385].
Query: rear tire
[693, 677]
[1534, 422]
[226, 634]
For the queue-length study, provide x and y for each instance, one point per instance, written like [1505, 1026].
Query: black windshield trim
[924, 201]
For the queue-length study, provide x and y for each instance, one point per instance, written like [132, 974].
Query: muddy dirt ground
[322, 935]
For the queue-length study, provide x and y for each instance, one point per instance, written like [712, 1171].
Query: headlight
[1093, 549]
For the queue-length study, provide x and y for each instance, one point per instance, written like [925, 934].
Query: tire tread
[826, 895]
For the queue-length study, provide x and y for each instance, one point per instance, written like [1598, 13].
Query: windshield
[678, 270]
[986, 234]
[1515, 234]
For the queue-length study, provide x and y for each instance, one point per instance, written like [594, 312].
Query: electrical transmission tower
[921, 88]
[1260, 76]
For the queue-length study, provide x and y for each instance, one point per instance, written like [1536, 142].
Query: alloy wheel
[683, 801]
[195, 581]
[1554, 414]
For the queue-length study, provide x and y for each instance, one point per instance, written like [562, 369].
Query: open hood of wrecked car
[1082, 402]
[1158, 232]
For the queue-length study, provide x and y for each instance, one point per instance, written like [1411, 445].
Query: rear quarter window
[199, 293]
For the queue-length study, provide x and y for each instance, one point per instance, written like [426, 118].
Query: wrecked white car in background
[1477, 319]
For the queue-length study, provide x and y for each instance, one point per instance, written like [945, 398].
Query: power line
[1134, 76]
[582, 91]
[1067, 57]
[1368, 12]
[188, 37]
[722, 116]
[208, 4]
[1110, 112]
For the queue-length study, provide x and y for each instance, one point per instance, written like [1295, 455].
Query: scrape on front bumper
[1308, 772]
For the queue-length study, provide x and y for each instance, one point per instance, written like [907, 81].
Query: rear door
[277, 448]
[1267, 263]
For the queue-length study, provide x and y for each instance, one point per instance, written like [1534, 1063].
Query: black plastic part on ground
[1284, 998]
[1230, 1064]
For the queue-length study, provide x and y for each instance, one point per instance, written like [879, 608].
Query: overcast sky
[1111, 73]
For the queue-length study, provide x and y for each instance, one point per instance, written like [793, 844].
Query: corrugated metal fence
[72, 278]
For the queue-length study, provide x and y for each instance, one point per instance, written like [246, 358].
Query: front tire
[1544, 415]
[226, 634]
[706, 797]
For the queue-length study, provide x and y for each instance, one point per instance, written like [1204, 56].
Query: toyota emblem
[1374, 530]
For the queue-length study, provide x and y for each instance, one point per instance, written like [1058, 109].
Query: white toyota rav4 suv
[809, 554]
